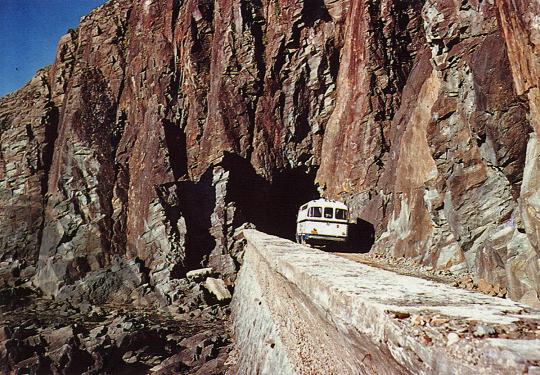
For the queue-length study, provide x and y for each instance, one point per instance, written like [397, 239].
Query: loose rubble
[403, 266]
[41, 336]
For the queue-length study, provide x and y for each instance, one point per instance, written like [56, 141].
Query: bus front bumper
[320, 237]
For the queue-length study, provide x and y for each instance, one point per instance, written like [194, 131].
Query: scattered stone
[465, 282]
[417, 320]
[27, 272]
[168, 366]
[199, 275]
[484, 286]
[73, 340]
[438, 320]
[401, 314]
[452, 338]
[128, 357]
[58, 337]
[218, 289]
[483, 330]
[530, 298]
[425, 340]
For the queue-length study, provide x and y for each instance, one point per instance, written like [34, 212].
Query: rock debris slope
[164, 125]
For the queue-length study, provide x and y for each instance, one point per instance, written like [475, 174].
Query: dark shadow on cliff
[196, 204]
[247, 190]
[176, 146]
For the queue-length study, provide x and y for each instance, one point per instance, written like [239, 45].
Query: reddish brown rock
[379, 46]
[155, 99]
[519, 25]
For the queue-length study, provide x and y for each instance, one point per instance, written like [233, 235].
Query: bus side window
[315, 212]
[328, 212]
[341, 214]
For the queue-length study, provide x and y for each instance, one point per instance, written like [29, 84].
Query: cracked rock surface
[39, 336]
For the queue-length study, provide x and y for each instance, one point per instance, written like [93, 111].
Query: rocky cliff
[164, 125]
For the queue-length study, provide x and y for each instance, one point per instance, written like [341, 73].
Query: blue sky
[29, 34]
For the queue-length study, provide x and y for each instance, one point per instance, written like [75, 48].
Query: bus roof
[326, 203]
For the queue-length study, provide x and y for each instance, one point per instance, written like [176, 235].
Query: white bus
[322, 221]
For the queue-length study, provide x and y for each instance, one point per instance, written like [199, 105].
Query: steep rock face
[460, 155]
[439, 164]
[28, 123]
[166, 112]
[520, 27]
[78, 211]
[174, 123]
[380, 43]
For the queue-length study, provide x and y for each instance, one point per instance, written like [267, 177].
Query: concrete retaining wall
[298, 310]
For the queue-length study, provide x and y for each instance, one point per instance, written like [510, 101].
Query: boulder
[199, 274]
[218, 289]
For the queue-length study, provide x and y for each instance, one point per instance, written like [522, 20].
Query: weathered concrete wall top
[315, 312]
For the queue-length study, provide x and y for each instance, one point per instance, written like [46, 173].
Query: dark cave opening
[288, 191]
[361, 237]
[271, 206]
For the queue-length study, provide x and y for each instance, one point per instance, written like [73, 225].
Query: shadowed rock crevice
[119, 215]
[196, 203]
[50, 120]
[175, 139]
[396, 34]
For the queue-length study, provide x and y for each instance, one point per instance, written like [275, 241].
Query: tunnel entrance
[271, 206]
[361, 237]
[288, 191]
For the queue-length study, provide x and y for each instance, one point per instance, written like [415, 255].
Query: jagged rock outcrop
[461, 155]
[164, 111]
[175, 122]
[28, 123]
